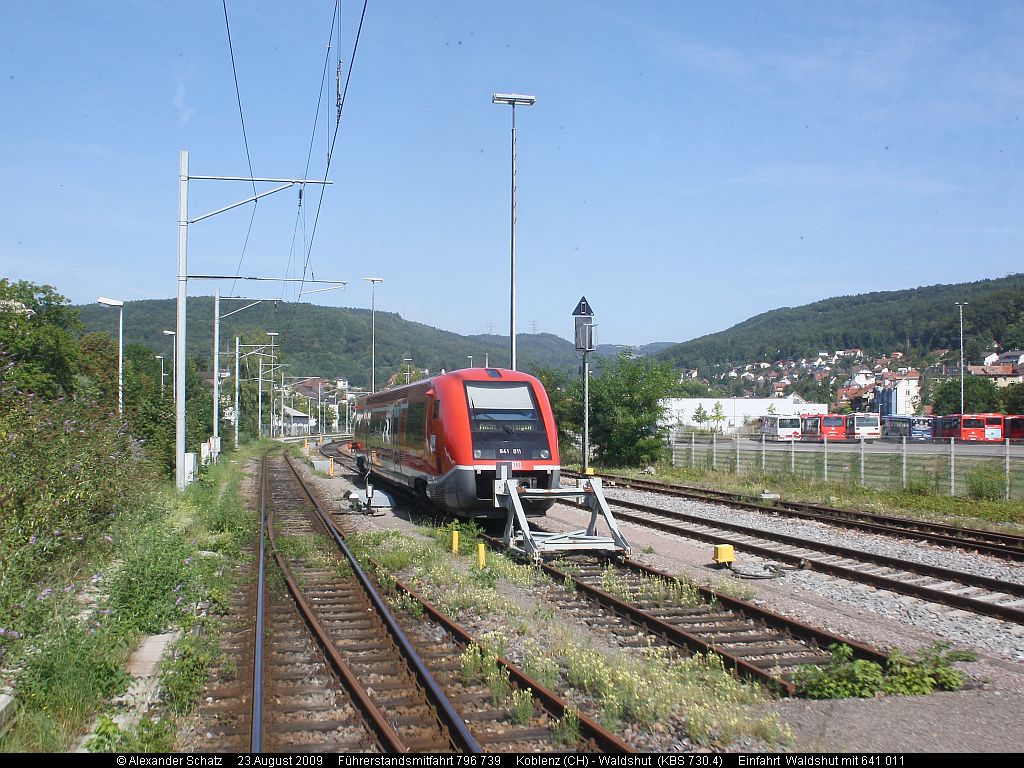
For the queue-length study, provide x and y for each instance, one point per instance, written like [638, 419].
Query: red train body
[444, 437]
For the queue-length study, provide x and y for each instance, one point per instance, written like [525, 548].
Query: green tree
[1013, 399]
[627, 411]
[565, 395]
[37, 330]
[701, 416]
[980, 396]
[718, 416]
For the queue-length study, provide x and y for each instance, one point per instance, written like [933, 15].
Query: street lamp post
[513, 99]
[162, 374]
[120, 349]
[961, 305]
[373, 330]
[174, 364]
[273, 360]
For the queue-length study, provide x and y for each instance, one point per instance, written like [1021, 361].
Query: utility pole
[183, 223]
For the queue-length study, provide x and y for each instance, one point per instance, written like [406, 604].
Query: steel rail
[555, 705]
[256, 725]
[891, 584]
[1002, 545]
[460, 734]
[390, 739]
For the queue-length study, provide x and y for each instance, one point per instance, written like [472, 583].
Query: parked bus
[775, 427]
[908, 426]
[821, 426]
[863, 426]
[980, 427]
[1013, 427]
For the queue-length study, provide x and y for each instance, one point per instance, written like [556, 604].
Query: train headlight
[477, 453]
[545, 454]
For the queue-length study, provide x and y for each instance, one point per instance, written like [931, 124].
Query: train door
[434, 433]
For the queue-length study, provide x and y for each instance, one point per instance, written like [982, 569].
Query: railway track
[1003, 545]
[945, 586]
[439, 644]
[760, 645]
[401, 704]
[756, 643]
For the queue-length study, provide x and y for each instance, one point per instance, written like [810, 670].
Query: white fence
[991, 470]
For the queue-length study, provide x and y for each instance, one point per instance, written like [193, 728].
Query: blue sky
[686, 165]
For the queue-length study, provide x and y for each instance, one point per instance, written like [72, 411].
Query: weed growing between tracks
[165, 563]
[929, 670]
[653, 690]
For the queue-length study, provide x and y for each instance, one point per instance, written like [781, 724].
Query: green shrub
[845, 677]
[986, 483]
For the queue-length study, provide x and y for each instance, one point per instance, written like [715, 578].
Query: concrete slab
[145, 660]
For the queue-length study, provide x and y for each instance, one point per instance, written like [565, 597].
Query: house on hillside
[899, 393]
[860, 399]
[1000, 375]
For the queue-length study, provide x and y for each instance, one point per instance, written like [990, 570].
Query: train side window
[437, 409]
[415, 421]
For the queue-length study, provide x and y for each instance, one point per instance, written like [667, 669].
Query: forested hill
[325, 341]
[913, 321]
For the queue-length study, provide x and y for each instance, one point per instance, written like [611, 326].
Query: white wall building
[737, 411]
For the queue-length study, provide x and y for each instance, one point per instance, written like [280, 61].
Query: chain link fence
[990, 471]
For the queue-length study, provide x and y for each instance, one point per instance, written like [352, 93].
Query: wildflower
[13, 634]
[94, 578]
[188, 559]
[33, 539]
[105, 612]
[79, 538]
[58, 532]
[179, 601]
[177, 587]
[108, 539]
[45, 594]
[70, 588]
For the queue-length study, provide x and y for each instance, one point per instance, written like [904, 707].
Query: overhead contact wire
[334, 138]
[245, 140]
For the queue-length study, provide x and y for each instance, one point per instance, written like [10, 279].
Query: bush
[986, 483]
[844, 677]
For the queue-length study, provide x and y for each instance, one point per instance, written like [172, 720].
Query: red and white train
[444, 437]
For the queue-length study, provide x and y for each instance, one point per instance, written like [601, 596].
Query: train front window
[504, 422]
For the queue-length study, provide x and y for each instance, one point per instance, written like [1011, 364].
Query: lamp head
[513, 99]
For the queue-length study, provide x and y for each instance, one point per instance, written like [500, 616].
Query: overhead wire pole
[183, 223]
[217, 317]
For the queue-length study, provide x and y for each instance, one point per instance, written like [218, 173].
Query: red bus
[1013, 427]
[976, 427]
[819, 426]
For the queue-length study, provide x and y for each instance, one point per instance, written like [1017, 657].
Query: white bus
[863, 426]
[775, 427]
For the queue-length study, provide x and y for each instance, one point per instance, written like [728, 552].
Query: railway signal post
[585, 343]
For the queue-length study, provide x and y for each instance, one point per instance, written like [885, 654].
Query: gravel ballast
[983, 718]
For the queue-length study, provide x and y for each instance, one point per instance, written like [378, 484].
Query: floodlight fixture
[513, 98]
